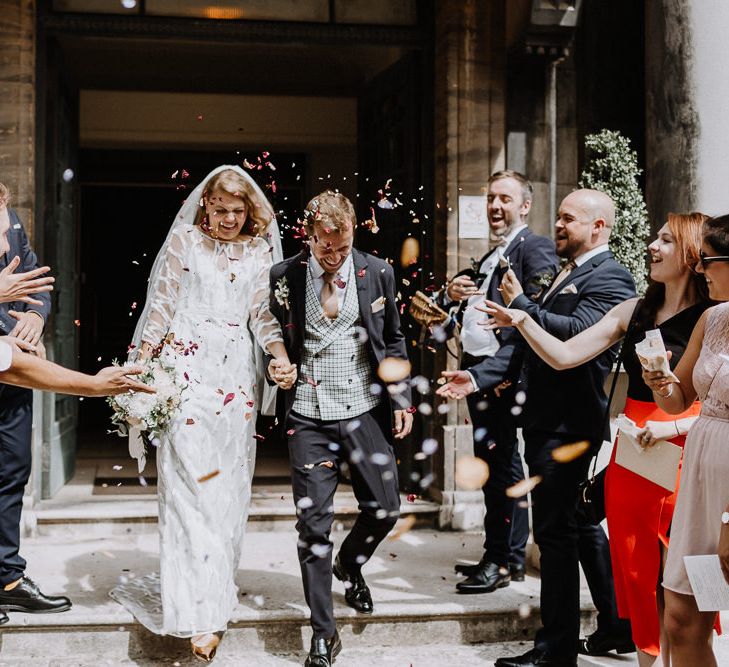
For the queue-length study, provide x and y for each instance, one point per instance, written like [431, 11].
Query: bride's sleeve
[264, 325]
[164, 292]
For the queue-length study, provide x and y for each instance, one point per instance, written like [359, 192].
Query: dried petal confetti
[471, 473]
[228, 398]
[567, 453]
[410, 252]
[393, 369]
[403, 526]
[209, 476]
[523, 487]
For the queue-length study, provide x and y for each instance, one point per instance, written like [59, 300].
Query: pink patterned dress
[704, 491]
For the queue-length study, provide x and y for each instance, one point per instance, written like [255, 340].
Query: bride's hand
[501, 316]
[282, 373]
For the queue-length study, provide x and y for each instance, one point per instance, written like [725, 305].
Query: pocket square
[570, 289]
[504, 262]
[378, 304]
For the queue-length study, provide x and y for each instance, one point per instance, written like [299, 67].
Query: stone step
[411, 579]
[272, 508]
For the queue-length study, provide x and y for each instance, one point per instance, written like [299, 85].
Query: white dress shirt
[6, 355]
[476, 340]
[318, 282]
[579, 261]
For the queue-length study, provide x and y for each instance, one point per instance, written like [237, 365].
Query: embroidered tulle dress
[213, 299]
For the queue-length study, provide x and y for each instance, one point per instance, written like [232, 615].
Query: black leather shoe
[27, 597]
[323, 652]
[602, 642]
[469, 570]
[3, 618]
[487, 579]
[536, 658]
[517, 572]
[356, 592]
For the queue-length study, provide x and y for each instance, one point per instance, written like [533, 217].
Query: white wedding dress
[208, 295]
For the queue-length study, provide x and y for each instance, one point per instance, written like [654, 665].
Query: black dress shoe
[536, 658]
[601, 642]
[27, 597]
[323, 651]
[3, 618]
[356, 592]
[469, 570]
[487, 579]
[517, 572]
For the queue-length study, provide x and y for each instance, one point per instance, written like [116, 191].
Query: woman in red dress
[639, 511]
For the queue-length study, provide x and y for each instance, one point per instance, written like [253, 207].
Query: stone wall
[469, 145]
[17, 106]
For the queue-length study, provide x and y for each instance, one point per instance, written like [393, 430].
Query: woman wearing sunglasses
[638, 511]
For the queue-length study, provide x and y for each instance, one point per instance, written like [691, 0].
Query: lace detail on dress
[711, 373]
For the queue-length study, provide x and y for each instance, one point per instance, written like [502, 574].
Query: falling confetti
[403, 526]
[471, 472]
[523, 487]
[410, 252]
[567, 453]
[393, 369]
[209, 476]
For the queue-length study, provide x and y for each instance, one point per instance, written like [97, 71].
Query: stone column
[469, 145]
[686, 99]
[17, 104]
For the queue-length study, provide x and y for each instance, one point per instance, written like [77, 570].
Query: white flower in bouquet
[150, 413]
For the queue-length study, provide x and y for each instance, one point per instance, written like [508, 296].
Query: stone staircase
[411, 579]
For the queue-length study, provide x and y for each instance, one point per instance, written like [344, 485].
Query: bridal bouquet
[149, 413]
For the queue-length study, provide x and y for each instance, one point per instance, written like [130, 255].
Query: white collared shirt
[6, 355]
[579, 261]
[318, 282]
[476, 340]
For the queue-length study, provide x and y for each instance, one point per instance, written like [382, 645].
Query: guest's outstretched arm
[29, 371]
[586, 345]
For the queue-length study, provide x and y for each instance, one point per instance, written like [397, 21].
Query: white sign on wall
[472, 220]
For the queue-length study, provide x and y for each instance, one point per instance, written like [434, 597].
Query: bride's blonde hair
[260, 211]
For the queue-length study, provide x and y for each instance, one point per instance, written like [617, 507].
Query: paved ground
[412, 577]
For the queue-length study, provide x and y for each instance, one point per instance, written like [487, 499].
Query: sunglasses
[708, 259]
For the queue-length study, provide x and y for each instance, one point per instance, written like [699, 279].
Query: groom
[337, 309]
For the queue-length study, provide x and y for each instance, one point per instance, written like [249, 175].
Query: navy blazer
[375, 279]
[534, 261]
[20, 246]
[572, 401]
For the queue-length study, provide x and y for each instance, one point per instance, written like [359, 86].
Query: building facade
[103, 101]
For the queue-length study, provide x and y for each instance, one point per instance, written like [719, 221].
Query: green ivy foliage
[612, 167]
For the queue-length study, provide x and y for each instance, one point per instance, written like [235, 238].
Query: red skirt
[639, 515]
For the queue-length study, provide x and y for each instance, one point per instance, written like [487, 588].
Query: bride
[208, 292]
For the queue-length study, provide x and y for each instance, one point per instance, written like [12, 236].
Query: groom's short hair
[330, 209]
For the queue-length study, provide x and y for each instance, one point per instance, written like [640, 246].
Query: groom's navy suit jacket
[375, 280]
[571, 401]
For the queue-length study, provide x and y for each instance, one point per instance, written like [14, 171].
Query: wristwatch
[725, 518]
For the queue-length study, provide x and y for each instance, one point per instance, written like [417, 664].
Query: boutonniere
[282, 292]
[542, 281]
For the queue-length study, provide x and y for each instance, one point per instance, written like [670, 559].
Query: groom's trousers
[319, 450]
[16, 422]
